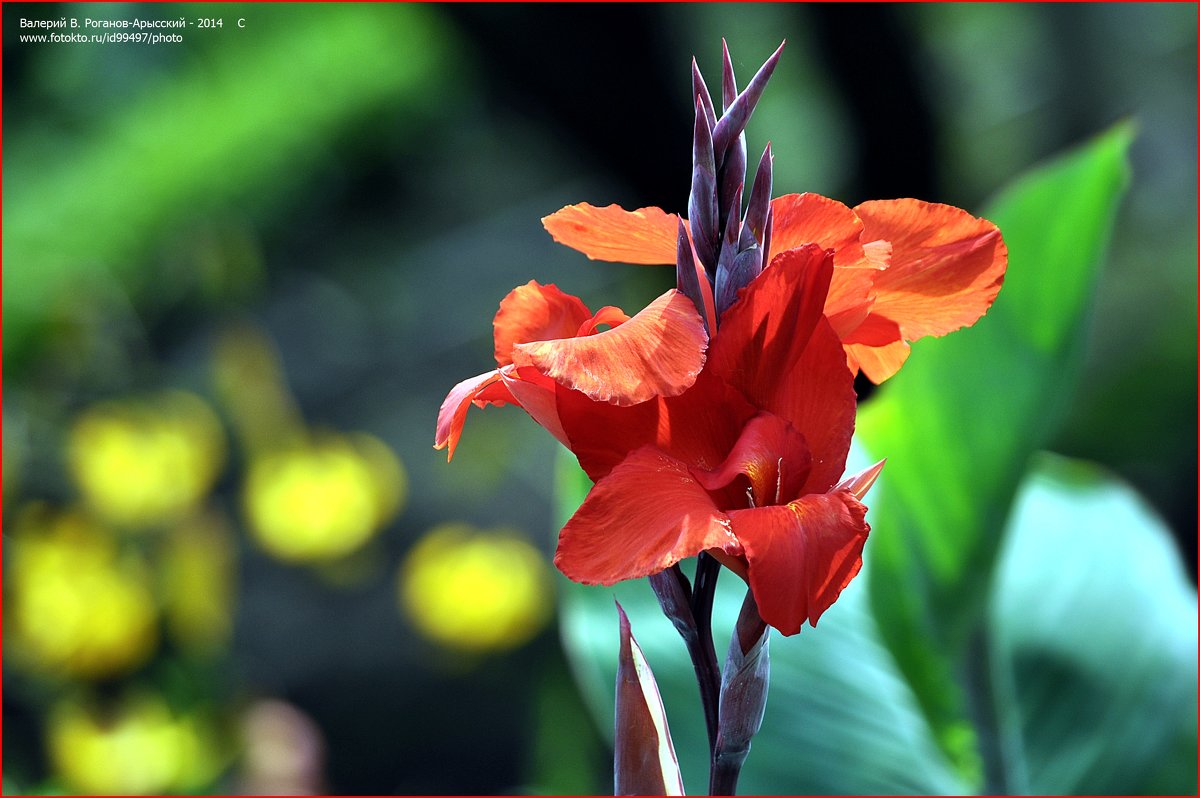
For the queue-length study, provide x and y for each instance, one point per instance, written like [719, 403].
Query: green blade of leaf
[961, 420]
[1095, 629]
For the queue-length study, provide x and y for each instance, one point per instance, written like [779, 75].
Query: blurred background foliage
[241, 273]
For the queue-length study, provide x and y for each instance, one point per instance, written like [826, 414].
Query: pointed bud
[674, 594]
[744, 684]
[644, 761]
[687, 280]
[700, 90]
[702, 204]
[728, 255]
[766, 244]
[760, 203]
[747, 265]
[728, 82]
[860, 483]
[731, 125]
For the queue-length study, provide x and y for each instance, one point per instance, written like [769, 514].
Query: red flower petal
[659, 352]
[483, 389]
[646, 515]
[775, 346]
[801, 555]
[773, 457]
[698, 427]
[534, 312]
[612, 233]
[946, 265]
[536, 394]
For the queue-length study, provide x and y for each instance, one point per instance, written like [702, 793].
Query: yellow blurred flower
[78, 606]
[149, 461]
[476, 590]
[196, 579]
[137, 747]
[325, 499]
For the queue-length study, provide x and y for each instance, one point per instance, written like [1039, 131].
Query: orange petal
[647, 235]
[801, 555]
[801, 219]
[534, 312]
[536, 394]
[646, 515]
[775, 346]
[658, 352]
[483, 389]
[878, 362]
[946, 265]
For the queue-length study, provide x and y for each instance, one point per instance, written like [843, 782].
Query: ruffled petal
[801, 555]
[772, 456]
[775, 346]
[647, 235]
[481, 390]
[646, 515]
[534, 312]
[946, 265]
[697, 427]
[536, 394]
[658, 352]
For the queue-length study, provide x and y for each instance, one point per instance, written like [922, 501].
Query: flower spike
[728, 82]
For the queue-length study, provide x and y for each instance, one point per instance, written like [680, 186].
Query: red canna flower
[718, 419]
[903, 269]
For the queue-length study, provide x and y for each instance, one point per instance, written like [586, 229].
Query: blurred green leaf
[1094, 624]
[229, 134]
[960, 421]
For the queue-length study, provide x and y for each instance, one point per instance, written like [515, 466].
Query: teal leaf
[1094, 631]
[960, 421]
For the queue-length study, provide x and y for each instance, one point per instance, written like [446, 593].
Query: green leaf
[960, 421]
[1094, 629]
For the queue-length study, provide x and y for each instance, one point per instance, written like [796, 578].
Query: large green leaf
[960, 421]
[1094, 637]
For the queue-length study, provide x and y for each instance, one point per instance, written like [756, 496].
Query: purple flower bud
[686, 278]
[743, 686]
[699, 89]
[675, 597]
[729, 253]
[702, 204]
[731, 125]
[760, 203]
[747, 265]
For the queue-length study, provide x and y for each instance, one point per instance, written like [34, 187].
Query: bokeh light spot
[475, 590]
[138, 747]
[79, 606]
[149, 461]
[325, 499]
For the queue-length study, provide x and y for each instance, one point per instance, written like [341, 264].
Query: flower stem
[703, 651]
[723, 777]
